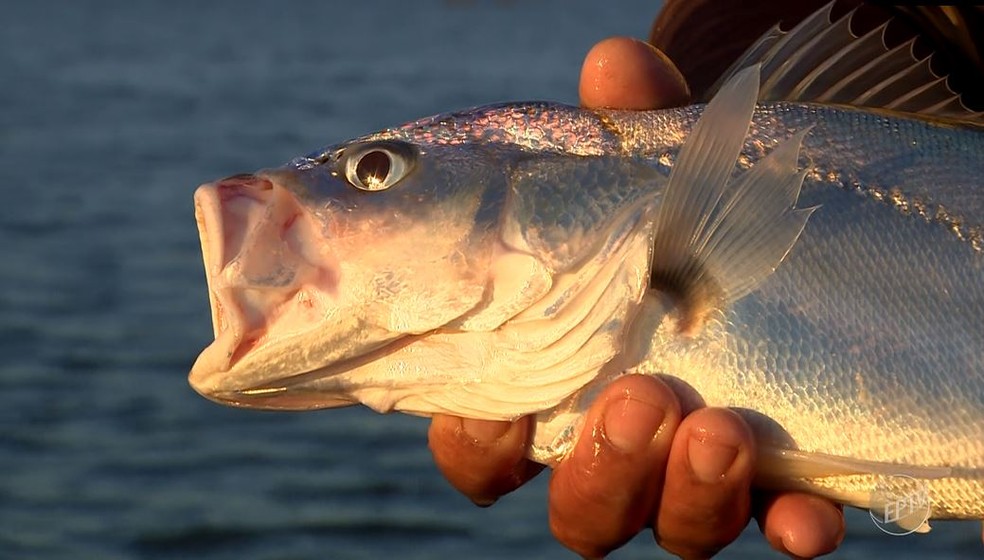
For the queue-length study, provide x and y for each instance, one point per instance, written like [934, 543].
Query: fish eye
[377, 166]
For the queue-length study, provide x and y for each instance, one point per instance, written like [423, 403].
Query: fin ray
[822, 60]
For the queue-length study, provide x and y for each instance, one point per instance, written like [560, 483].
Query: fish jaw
[269, 282]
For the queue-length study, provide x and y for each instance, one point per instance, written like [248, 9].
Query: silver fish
[513, 259]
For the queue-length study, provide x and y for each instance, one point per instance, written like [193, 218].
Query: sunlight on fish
[817, 266]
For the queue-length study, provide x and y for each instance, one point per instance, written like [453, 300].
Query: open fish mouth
[265, 282]
[227, 318]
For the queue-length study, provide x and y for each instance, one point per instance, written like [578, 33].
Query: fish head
[339, 255]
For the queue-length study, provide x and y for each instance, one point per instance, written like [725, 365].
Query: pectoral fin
[718, 238]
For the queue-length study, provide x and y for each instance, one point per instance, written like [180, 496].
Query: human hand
[648, 456]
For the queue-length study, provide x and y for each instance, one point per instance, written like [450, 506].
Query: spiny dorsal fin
[823, 61]
[717, 237]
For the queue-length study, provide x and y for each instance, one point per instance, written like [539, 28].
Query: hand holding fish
[647, 457]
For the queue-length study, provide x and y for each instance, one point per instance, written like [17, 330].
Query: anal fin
[904, 501]
[794, 463]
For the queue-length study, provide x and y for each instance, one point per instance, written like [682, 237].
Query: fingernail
[710, 459]
[631, 423]
[484, 432]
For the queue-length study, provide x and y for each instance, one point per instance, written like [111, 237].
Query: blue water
[110, 114]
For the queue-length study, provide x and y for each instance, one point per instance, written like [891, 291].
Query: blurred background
[111, 113]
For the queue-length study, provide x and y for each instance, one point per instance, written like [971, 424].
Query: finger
[706, 499]
[604, 493]
[801, 525]
[626, 73]
[482, 459]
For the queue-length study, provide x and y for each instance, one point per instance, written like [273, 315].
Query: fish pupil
[373, 168]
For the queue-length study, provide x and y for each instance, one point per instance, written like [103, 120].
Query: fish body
[512, 259]
[865, 342]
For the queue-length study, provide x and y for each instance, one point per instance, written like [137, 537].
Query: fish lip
[260, 399]
[293, 392]
[227, 319]
[208, 218]
[269, 395]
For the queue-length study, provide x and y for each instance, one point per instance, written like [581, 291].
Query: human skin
[650, 454]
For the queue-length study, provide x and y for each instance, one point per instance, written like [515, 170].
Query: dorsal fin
[821, 60]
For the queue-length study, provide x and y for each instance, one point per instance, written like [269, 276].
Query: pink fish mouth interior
[266, 275]
[218, 236]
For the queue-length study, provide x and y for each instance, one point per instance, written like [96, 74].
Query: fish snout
[265, 263]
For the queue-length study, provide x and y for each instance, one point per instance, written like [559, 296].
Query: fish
[806, 247]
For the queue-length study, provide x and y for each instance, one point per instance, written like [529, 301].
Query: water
[110, 114]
